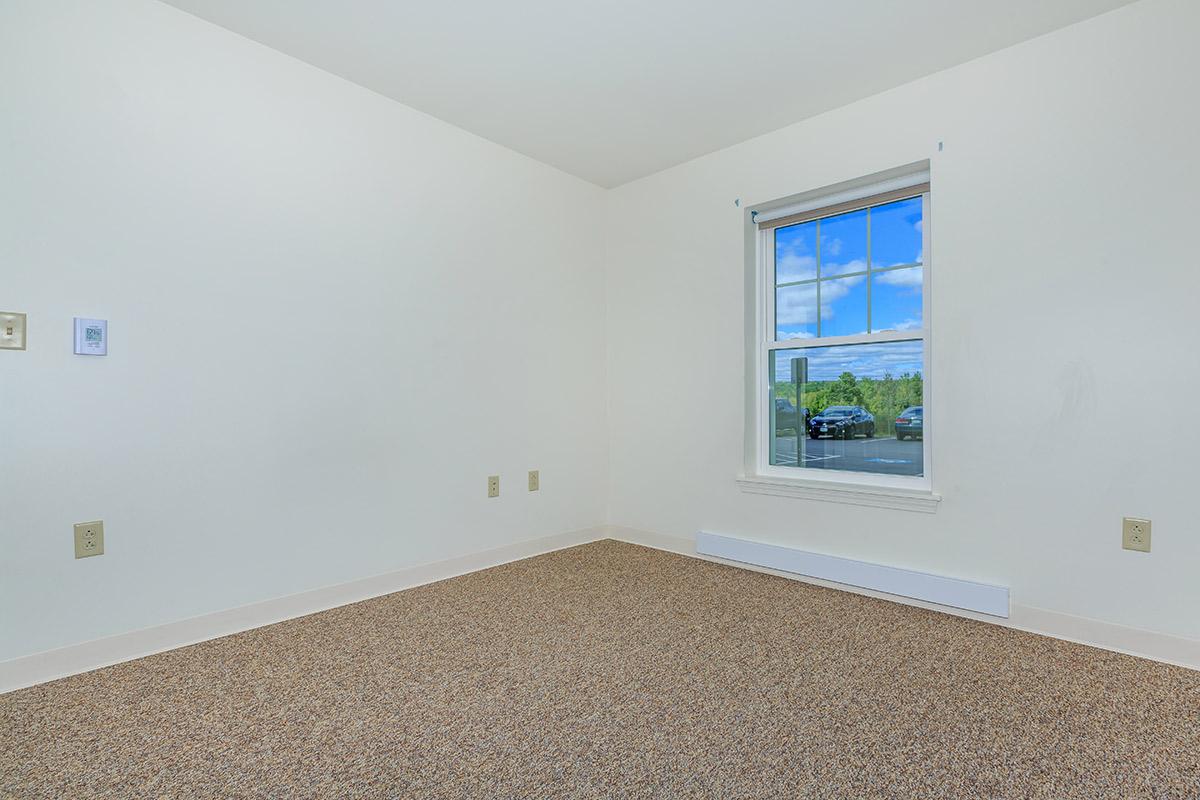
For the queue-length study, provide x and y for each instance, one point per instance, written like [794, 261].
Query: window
[842, 335]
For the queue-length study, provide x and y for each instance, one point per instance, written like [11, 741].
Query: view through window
[846, 351]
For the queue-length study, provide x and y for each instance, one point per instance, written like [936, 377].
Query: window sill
[853, 494]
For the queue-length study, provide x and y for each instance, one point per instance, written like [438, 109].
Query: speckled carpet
[612, 670]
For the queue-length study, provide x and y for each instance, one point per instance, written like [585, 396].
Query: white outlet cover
[12, 330]
[91, 337]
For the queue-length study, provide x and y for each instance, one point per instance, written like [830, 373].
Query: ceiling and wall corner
[615, 90]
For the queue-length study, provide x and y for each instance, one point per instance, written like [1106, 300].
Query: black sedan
[911, 422]
[842, 422]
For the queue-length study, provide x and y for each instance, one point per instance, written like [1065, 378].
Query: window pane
[844, 306]
[788, 420]
[853, 407]
[896, 299]
[844, 244]
[796, 312]
[896, 233]
[785, 421]
[796, 253]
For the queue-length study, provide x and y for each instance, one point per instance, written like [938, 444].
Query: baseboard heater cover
[984, 598]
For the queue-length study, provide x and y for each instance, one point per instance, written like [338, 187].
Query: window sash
[768, 344]
[824, 212]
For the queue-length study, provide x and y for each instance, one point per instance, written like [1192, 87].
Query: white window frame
[861, 488]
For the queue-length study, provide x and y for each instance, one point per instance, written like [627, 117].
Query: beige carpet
[611, 670]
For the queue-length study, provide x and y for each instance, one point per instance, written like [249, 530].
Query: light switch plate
[534, 480]
[12, 330]
[89, 539]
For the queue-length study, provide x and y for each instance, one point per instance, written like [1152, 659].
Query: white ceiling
[611, 90]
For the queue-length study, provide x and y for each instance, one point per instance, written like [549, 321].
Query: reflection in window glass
[796, 253]
[796, 311]
[844, 244]
[844, 306]
[851, 407]
[896, 234]
[896, 299]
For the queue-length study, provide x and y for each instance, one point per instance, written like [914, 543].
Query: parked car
[842, 422]
[785, 415]
[911, 422]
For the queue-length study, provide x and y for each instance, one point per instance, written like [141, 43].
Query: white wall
[331, 317]
[1065, 280]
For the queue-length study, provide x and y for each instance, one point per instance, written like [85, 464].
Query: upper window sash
[768, 260]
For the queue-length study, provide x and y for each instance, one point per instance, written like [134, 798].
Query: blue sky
[895, 296]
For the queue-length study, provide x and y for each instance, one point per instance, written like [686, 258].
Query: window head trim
[906, 193]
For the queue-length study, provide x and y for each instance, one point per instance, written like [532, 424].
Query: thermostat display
[91, 337]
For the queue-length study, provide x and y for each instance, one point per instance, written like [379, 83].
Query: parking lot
[882, 455]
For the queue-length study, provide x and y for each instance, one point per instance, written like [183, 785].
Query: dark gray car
[911, 422]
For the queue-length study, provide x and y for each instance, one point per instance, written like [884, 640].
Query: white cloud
[906, 325]
[832, 291]
[835, 268]
[797, 305]
[902, 277]
[793, 266]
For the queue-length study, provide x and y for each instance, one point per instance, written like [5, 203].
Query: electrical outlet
[493, 485]
[533, 480]
[89, 539]
[1135, 534]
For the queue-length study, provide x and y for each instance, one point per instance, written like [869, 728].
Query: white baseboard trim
[50, 665]
[24, 671]
[938, 589]
[1138, 642]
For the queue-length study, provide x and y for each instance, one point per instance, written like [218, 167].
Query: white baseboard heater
[954, 592]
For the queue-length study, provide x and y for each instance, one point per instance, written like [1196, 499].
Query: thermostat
[91, 337]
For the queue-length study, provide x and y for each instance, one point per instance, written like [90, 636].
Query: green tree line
[884, 397]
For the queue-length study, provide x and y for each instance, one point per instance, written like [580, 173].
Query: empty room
[551, 399]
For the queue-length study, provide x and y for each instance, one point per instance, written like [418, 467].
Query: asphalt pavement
[888, 456]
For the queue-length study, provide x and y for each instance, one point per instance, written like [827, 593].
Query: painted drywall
[1064, 281]
[330, 318]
